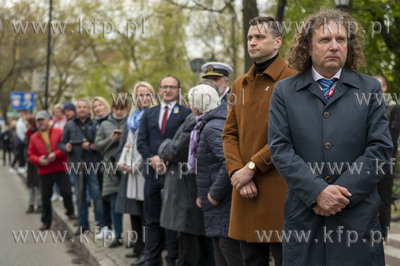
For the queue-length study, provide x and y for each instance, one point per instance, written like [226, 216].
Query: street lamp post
[46, 91]
[118, 83]
[343, 5]
[195, 65]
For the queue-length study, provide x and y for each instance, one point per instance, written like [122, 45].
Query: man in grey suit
[331, 144]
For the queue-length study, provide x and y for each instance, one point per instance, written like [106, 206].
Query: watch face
[252, 165]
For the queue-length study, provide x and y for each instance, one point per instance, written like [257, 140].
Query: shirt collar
[170, 105]
[225, 92]
[316, 76]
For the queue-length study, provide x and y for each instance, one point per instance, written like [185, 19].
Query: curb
[95, 252]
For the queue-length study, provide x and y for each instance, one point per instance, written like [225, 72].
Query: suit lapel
[315, 89]
[153, 121]
[340, 89]
[347, 81]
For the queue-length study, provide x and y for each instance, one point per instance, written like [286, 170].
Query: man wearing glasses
[158, 123]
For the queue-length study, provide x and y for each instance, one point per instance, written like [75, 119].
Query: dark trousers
[258, 253]
[154, 233]
[137, 223]
[19, 155]
[385, 192]
[227, 252]
[5, 152]
[47, 182]
[105, 202]
[192, 250]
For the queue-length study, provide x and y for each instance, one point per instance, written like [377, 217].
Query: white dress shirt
[171, 105]
[316, 76]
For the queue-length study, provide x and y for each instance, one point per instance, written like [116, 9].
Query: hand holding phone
[116, 133]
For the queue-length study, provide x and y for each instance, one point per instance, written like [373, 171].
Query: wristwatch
[252, 166]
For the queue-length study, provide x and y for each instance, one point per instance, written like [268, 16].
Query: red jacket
[37, 148]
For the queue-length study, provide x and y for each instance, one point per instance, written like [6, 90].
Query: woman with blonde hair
[142, 93]
[101, 109]
[130, 192]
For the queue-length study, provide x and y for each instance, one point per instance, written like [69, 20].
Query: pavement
[21, 241]
[96, 251]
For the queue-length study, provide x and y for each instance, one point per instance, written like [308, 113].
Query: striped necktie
[326, 85]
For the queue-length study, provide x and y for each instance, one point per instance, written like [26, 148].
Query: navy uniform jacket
[306, 129]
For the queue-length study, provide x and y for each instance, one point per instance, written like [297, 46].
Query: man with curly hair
[330, 147]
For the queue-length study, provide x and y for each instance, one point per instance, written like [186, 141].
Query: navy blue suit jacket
[150, 137]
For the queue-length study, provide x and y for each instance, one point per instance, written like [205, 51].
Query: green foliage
[381, 58]
[295, 12]
[168, 33]
[155, 48]
[381, 49]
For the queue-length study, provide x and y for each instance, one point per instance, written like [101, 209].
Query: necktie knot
[326, 85]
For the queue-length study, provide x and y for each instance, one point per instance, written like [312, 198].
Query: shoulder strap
[83, 131]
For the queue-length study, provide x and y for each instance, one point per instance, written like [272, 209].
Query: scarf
[46, 140]
[194, 140]
[134, 120]
[119, 118]
[102, 117]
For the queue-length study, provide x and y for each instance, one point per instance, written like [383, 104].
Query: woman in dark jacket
[179, 211]
[214, 188]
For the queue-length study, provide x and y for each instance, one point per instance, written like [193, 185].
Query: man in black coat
[332, 145]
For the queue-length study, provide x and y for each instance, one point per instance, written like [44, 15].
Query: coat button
[327, 145]
[326, 114]
[268, 160]
[328, 179]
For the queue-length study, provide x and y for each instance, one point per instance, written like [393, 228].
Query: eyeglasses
[143, 95]
[169, 87]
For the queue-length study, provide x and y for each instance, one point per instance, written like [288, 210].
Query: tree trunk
[3, 102]
[250, 11]
[281, 10]
[233, 41]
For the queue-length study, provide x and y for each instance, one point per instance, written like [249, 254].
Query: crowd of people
[209, 181]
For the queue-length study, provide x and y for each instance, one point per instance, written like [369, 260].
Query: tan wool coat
[245, 138]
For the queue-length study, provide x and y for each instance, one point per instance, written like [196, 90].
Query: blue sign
[21, 100]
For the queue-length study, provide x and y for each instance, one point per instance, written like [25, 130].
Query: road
[13, 205]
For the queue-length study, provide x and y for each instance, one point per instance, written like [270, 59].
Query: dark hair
[299, 58]
[170, 76]
[273, 26]
[120, 104]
